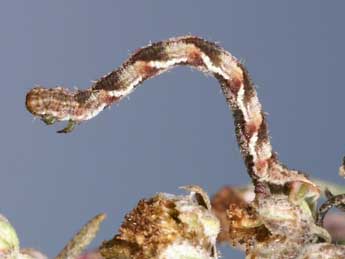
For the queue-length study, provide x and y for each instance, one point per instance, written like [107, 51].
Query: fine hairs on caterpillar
[266, 171]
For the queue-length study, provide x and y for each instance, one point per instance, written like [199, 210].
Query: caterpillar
[60, 104]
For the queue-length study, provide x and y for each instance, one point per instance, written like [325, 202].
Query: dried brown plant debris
[271, 226]
[165, 227]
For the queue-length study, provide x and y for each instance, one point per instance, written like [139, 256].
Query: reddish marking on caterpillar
[58, 104]
[195, 59]
[111, 99]
[149, 71]
[235, 85]
[250, 129]
[261, 166]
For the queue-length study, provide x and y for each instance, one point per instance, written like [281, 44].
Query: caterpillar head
[50, 105]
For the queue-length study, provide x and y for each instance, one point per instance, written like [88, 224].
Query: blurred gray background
[176, 129]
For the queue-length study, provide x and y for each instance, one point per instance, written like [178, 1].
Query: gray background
[176, 129]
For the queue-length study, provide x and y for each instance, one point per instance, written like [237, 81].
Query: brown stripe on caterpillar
[240, 124]
[263, 131]
[211, 49]
[234, 83]
[160, 52]
[239, 121]
[109, 82]
[155, 51]
[256, 121]
[82, 96]
[249, 163]
[244, 130]
[242, 139]
[249, 88]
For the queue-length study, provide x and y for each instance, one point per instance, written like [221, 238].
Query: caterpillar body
[60, 104]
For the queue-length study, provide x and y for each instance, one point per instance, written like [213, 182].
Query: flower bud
[9, 243]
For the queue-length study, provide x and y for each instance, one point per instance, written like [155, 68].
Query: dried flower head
[272, 226]
[167, 227]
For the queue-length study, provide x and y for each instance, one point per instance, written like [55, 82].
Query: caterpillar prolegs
[60, 104]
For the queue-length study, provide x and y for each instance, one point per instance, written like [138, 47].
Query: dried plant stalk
[82, 239]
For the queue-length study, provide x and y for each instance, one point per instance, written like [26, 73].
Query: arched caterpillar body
[59, 104]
